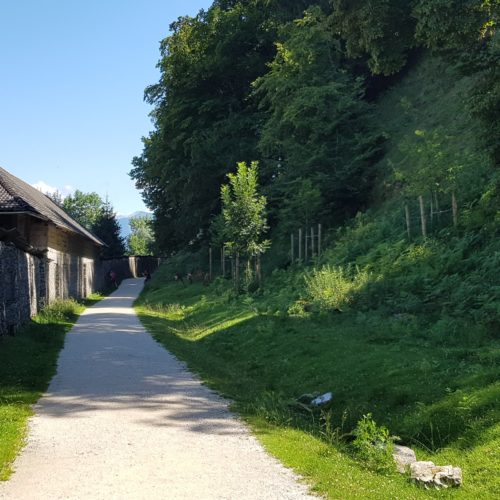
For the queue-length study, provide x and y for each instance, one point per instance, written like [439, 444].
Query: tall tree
[203, 118]
[107, 228]
[317, 124]
[244, 216]
[85, 208]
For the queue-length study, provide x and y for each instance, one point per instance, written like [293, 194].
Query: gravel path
[124, 419]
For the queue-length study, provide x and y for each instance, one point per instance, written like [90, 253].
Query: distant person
[113, 278]
[147, 276]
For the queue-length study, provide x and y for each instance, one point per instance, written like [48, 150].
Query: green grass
[28, 361]
[441, 399]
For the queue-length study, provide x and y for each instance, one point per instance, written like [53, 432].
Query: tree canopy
[97, 216]
[286, 83]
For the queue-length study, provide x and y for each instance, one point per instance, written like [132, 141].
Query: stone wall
[28, 282]
[22, 287]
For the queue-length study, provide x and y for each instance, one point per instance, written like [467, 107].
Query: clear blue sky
[72, 78]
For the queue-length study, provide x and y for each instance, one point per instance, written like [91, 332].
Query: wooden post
[319, 240]
[210, 263]
[292, 256]
[259, 273]
[407, 214]
[300, 245]
[312, 242]
[454, 208]
[432, 211]
[423, 220]
[436, 206]
[306, 253]
[237, 272]
[223, 261]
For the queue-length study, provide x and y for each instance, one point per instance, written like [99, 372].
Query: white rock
[430, 475]
[404, 457]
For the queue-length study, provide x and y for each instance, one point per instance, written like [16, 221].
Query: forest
[374, 123]
[295, 85]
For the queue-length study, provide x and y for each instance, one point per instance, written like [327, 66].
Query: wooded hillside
[297, 86]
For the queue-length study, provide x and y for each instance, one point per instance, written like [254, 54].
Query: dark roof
[16, 196]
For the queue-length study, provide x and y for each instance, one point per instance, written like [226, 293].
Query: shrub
[334, 288]
[374, 445]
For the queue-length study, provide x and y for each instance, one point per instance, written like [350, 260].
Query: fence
[431, 213]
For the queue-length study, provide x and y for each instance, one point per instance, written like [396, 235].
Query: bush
[59, 310]
[374, 445]
[334, 288]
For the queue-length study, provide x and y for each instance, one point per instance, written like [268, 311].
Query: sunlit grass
[442, 400]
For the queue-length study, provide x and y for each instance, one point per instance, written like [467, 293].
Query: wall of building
[28, 282]
[23, 287]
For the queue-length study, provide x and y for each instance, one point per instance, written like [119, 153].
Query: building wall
[72, 265]
[70, 268]
[22, 290]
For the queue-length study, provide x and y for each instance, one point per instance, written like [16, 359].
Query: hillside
[404, 328]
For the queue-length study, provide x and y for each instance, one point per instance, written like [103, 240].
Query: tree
[317, 124]
[244, 214]
[141, 239]
[85, 208]
[106, 228]
[381, 30]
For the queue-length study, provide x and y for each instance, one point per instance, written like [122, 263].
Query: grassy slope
[264, 360]
[27, 363]
[418, 348]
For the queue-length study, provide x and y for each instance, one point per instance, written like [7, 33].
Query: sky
[72, 80]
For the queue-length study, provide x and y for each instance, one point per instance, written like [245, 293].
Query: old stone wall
[22, 287]
[28, 282]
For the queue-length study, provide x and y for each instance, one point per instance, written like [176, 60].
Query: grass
[28, 361]
[440, 398]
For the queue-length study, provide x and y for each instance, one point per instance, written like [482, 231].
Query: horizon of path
[123, 418]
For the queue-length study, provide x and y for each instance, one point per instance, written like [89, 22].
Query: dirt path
[124, 419]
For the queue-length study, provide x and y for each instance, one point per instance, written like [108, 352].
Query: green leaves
[141, 239]
[244, 212]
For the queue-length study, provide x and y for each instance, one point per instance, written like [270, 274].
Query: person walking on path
[124, 419]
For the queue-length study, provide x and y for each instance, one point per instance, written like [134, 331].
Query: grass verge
[441, 398]
[28, 361]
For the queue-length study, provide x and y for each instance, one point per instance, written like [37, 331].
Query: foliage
[141, 240]
[444, 404]
[85, 208]
[334, 288]
[107, 228]
[97, 216]
[203, 119]
[317, 124]
[374, 445]
[244, 212]
[381, 29]
[286, 82]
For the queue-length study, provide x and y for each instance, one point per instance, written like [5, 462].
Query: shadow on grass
[417, 389]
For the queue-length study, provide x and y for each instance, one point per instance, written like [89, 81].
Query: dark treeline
[286, 83]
